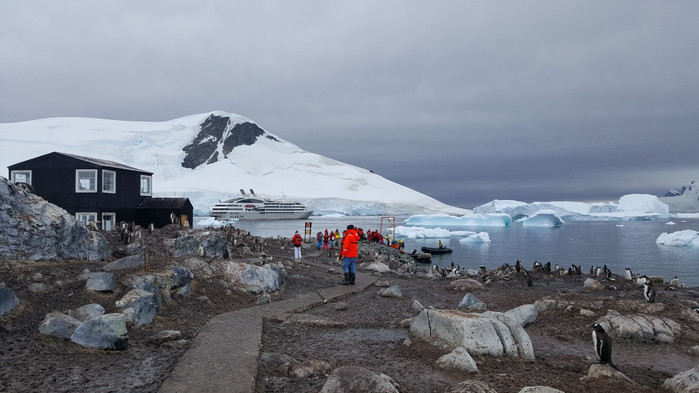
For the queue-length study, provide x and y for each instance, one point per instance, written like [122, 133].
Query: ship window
[86, 180]
[22, 177]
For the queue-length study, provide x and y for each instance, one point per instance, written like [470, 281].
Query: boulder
[471, 303]
[637, 326]
[524, 315]
[87, 311]
[358, 379]
[375, 266]
[101, 282]
[181, 277]
[58, 324]
[36, 230]
[684, 382]
[8, 300]
[591, 285]
[478, 334]
[107, 331]
[539, 389]
[125, 263]
[392, 291]
[38, 287]
[310, 368]
[164, 336]
[203, 244]
[251, 278]
[140, 307]
[466, 284]
[604, 372]
[458, 360]
[525, 348]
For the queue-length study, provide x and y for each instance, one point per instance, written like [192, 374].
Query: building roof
[95, 161]
[164, 203]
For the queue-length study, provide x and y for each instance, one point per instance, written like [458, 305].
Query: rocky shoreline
[122, 321]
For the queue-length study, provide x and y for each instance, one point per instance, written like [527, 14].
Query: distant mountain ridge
[209, 157]
[684, 201]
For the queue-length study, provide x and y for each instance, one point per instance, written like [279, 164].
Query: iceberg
[631, 207]
[422, 233]
[685, 238]
[485, 220]
[480, 237]
[543, 218]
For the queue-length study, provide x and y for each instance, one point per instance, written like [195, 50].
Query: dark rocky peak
[218, 135]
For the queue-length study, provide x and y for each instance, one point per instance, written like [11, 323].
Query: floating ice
[480, 237]
[486, 220]
[543, 218]
[685, 238]
[421, 233]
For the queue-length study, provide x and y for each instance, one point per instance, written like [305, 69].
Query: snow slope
[270, 165]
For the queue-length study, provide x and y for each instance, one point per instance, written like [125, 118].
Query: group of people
[349, 249]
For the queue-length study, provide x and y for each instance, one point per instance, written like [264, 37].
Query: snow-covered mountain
[211, 156]
[684, 201]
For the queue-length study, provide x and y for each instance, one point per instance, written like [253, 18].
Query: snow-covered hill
[211, 156]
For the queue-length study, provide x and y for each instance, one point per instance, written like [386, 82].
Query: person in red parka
[297, 240]
[349, 253]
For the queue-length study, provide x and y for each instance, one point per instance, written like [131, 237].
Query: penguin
[603, 345]
[592, 270]
[674, 282]
[530, 280]
[649, 292]
[452, 264]
[518, 265]
[547, 268]
[628, 274]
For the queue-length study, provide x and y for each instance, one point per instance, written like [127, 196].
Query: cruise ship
[251, 207]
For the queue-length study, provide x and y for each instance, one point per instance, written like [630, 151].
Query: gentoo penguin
[603, 345]
[674, 282]
[628, 274]
[518, 266]
[649, 292]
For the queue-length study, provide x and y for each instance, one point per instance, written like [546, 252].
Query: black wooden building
[95, 189]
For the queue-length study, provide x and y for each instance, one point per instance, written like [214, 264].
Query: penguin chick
[603, 345]
[648, 292]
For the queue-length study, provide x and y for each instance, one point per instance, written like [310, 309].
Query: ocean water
[617, 244]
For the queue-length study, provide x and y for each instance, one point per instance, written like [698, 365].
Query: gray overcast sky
[466, 101]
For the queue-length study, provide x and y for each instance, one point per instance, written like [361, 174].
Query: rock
[591, 285]
[392, 291]
[417, 306]
[478, 334]
[471, 303]
[58, 324]
[140, 307]
[87, 311]
[265, 298]
[164, 336]
[280, 362]
[545, 305]
[524, 315]
[148, 283]
[254, 279]
[199, 267]
[186, 291]
[539, 389]
[8, 300]
[312, 320]
[36, 230]
[107, 331]
[466, 284]
[341, 306]
[470, 387]
[458, 360]
[101, 282]
[382, 283]
[175, 344]
[182, 277]
[636, 326]
[37, 277]
[310, 368]
[125, 263]
[206, 244]
[375, 267]
[586, 313]
[358, 379]
[604, 372]
[684, 382]
[693, 351]
[38, 287]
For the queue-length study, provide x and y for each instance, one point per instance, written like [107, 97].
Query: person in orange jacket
[349, 253]
[297, 240]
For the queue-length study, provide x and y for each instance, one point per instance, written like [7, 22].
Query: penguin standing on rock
[603, 345]
[649, 292]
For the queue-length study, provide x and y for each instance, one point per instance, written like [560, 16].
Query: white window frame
[105, 190]
[149, 191]
[104, 222]
[85, 217]
[26, 172]
[77, 180]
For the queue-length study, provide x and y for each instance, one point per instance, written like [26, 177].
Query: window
[108, 181]
[145, 185]
[86, 180]
[21, 177]
[86, 217]
[108, 220]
